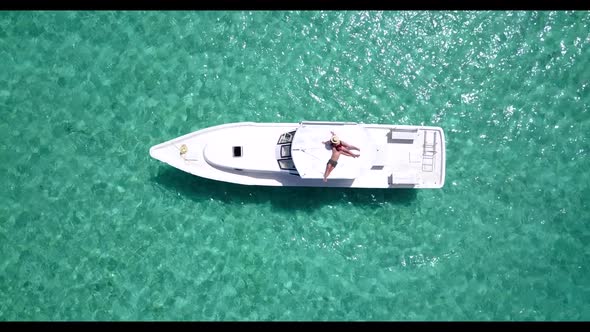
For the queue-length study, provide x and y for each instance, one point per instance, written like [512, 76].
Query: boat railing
[429, 151]
[327, 123]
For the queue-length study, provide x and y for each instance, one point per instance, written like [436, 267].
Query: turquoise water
[92, 228]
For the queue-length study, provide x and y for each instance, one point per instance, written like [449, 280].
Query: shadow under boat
[287, 198]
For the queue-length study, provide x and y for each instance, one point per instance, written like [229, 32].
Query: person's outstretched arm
[348, 146]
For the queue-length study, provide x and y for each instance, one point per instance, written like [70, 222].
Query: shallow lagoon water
[92, 228]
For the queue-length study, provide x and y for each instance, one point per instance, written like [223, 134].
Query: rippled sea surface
[92, 228]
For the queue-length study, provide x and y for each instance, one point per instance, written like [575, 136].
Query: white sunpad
[311, 156]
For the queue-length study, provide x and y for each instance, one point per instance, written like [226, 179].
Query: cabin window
[286, 151]
[286, 137]
[237, 151]
[286, 164]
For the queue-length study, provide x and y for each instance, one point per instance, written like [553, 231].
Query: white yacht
[293, 154]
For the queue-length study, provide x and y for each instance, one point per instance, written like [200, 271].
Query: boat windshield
[286, 137]
[286, 151]
[286, 164]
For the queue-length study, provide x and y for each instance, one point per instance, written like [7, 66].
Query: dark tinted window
[237, 151]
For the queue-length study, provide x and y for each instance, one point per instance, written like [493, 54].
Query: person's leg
[329, 169]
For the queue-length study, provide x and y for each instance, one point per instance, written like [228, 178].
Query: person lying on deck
[338, 147]
[342, 146]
